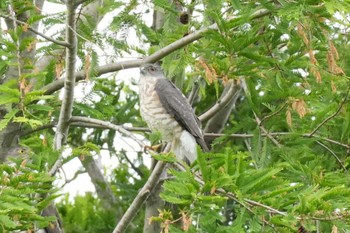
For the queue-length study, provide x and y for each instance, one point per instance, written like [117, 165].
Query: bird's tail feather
[185, 148]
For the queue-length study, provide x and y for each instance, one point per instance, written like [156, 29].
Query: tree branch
[136, 169]
[113, 67]
[334, 155]
[62, 43]
[107, 125]
[257, 119]
[76, 123]
[219, 104]
[103, 188]
[333, 115]
[69, 84]
[140, 198]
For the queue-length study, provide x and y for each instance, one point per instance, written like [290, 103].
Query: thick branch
[69, 83]
[102, 187]
[219, 104]
[113, 67]
[218, 121]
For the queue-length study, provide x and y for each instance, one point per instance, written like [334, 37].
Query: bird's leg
[154, 147]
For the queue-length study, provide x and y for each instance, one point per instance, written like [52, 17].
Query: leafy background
[278, 162]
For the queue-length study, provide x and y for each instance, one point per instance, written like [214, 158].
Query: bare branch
[219, 104]
[76, 123]
[140, 198]
[113, 67]
[62, 43]
[107, 125]
[136, 169]
[306, 135]
[69, 83]
[333, 115]
[217, 122]
[103, 188]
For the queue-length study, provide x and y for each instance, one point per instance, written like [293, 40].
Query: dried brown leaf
[210, 72]
[289, 118]
[334, 88]
[58, 70]
[302, 34]
[334, 229]
[333, 50]
[186, 221]
[87, 66]
[299, 106]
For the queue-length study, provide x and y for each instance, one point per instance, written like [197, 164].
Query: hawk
[166, 110]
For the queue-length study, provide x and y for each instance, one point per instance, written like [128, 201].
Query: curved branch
[333, 115]
[219, 104]
[113, 67]
[107, 125]
[334, 155]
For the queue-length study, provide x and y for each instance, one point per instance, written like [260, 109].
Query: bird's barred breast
[157, 118]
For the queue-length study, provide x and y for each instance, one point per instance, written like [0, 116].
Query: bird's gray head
[15, 151]
[151, 70]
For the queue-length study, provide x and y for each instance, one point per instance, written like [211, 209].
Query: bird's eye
[152, 68]
[21, 151]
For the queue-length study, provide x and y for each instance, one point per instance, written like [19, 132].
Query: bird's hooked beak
[143, 70]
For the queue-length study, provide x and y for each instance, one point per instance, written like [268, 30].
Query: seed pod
[184, 17]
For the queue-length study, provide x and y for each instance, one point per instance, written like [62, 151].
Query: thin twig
[207, 135]
[136, 169]
[269, 208]
[230, 195]
[79, 2]
[62, 43]
[331, 116]
[334, 155]
[273, 114]
[257, 119]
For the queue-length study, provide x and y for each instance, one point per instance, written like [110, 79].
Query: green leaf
[263, 176]
[6, 222]
[33, 123]
[8, 117]
[166, 157]
[8, 100]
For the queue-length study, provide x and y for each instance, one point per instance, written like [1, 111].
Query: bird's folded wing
[177, 106]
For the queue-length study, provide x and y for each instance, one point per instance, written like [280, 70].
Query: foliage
[24, 193]
[281, 163]
[88, 212]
